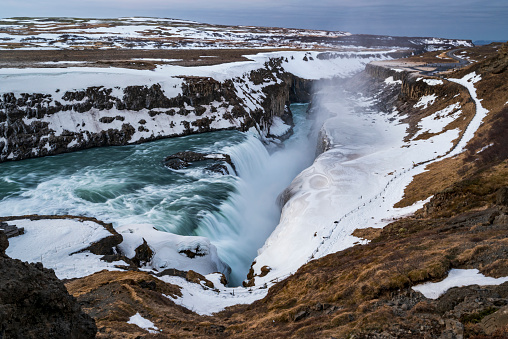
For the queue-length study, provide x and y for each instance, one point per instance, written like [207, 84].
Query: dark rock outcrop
[184, 159]
[502, 196]
[11, 230]
[411, 88]
[4, 243]
[498, 321]
[143, 254]
[218, 168]
[187, 156]
[35, 304]
[176, 163]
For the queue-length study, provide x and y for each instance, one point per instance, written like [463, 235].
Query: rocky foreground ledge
[34, 303]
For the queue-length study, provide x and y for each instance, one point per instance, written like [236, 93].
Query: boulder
[498, 321]
[176, 164]
[11, 230]
[35, 304]
[502, 196]
[187, 156]
[143, 254]
[107, 245]
[184, 159]
[218, 168]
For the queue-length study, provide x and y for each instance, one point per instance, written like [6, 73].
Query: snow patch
[435, 123]
[485, 147]
[431, 82]
[143, 323]
[468, 81]
[457, 278]
[425, 101]
[54, 242]
[170, 250]
[390, 81]
[205, 301]
[278, 127]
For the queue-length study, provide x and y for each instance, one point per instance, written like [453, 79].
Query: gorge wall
[40, 124]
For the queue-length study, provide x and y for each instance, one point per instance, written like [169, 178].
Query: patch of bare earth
[127, 58]
[111, 298]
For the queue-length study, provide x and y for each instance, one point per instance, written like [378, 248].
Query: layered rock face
[35, 304]
[40, 124]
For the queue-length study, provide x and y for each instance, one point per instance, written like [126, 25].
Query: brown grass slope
[493, 91]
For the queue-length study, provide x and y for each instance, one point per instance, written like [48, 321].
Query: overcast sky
[464, 19]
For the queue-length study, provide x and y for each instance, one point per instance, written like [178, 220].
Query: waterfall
[245, 220]
[129, 185]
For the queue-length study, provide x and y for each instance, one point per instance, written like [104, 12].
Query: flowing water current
[129, 185]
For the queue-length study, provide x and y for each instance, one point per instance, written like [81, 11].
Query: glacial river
[130, 185]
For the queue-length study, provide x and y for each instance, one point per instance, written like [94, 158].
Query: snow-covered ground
[426, 101]
[149, 33]
[207, 301]
[143, 323]
[431, 82]
[54, 242]
[163, 33]
[169, 250]
[468, 82]
[435, 123]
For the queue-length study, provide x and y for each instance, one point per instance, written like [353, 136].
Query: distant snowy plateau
[157, 33]
[365, 155]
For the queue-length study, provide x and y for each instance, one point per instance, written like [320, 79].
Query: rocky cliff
[411, 86]
[39, 124]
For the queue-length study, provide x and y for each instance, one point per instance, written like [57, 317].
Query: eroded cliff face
[40, 124]
[410, 87]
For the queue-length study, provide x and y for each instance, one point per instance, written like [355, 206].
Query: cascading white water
[246, 219]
